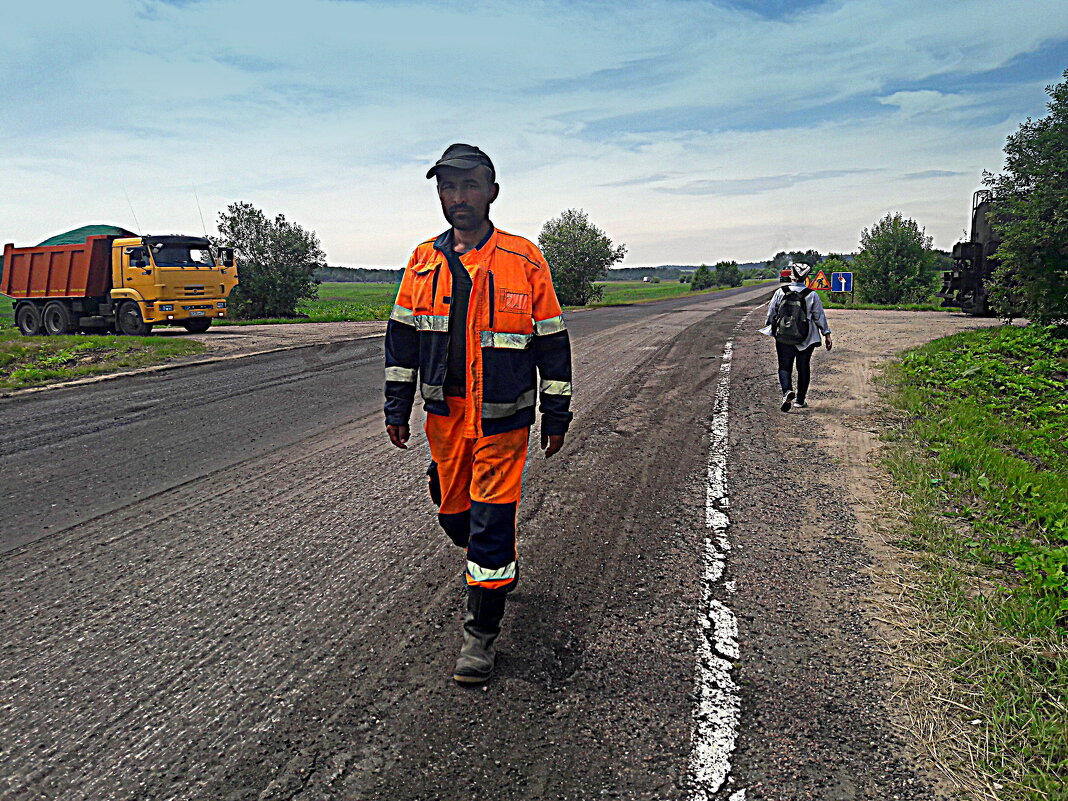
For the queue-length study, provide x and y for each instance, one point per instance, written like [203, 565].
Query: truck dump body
[58, 271]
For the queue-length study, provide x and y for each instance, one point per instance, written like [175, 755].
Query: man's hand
[398, 435]
[827, 341]
[551, 443]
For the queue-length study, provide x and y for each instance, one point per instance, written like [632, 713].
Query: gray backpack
[791, 323]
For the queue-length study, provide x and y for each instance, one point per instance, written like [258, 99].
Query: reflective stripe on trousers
[481, 482]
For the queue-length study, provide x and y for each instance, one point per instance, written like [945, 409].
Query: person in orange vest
[477, 327]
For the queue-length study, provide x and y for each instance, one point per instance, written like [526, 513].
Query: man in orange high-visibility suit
[476, 325]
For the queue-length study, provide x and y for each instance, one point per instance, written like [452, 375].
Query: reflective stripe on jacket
[515, 334]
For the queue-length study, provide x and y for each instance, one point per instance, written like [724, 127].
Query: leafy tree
[578, 253]
[895, 263]
[833, 264]
[727, 273]
[780, 261]
[1030, 202]
[359, 275]
[806, 256]
[702, 279]
[276, 261]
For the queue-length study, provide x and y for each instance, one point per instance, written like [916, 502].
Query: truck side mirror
[138, 257]
[226, 256]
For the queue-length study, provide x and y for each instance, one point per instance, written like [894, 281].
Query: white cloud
[923, 102]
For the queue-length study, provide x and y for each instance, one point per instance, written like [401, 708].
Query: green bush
[896, 263]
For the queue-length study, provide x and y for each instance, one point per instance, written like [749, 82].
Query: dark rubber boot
[485, 608]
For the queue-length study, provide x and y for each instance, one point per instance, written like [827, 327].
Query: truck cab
[167, 280]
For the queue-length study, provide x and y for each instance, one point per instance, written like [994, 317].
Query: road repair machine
[967, 284]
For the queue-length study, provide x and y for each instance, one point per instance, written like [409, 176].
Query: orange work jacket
[515, 335]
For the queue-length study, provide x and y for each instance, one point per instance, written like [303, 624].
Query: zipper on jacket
[434, 288]
[448, 328]
[492, 298]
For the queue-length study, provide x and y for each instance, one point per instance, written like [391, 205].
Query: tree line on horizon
[281, 263]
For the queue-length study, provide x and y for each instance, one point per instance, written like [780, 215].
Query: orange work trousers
[481, 482]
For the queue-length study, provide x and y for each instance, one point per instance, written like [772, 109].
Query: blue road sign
[841, 282]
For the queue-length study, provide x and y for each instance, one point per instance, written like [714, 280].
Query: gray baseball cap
[463, 157]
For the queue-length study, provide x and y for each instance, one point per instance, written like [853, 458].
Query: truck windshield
[178, 255]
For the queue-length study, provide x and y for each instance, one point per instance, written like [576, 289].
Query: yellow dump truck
[104, 278]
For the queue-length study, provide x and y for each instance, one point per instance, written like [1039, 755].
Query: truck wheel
[56, 318]
[130, 322]
[197, 325]
[28, 319]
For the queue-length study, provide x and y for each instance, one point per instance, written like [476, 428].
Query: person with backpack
[796, 319]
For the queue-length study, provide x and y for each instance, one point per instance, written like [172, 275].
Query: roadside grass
[980, 458]
[840, 300]
[828, 304]
[30, 361]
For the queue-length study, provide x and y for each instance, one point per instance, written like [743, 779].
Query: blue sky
[690, 131]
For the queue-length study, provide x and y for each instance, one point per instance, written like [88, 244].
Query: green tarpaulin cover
[79, 235]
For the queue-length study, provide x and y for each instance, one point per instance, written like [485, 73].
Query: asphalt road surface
[222, 582]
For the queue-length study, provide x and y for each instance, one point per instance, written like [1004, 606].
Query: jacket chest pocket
[511, 308]
[424, 287]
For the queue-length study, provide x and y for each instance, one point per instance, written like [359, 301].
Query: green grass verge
[887, 306]
[982, 460]
[840, 300]
[31, 361]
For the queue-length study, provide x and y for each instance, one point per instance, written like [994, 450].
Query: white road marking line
[718, 712]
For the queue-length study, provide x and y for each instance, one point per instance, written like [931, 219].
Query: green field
[841, 300]
[980, 459]
[339, 302]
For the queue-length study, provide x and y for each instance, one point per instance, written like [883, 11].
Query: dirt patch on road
[233, 340]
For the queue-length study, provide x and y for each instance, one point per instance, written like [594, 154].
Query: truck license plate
[197, 313]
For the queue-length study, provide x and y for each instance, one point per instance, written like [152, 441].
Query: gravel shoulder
[815, 573]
